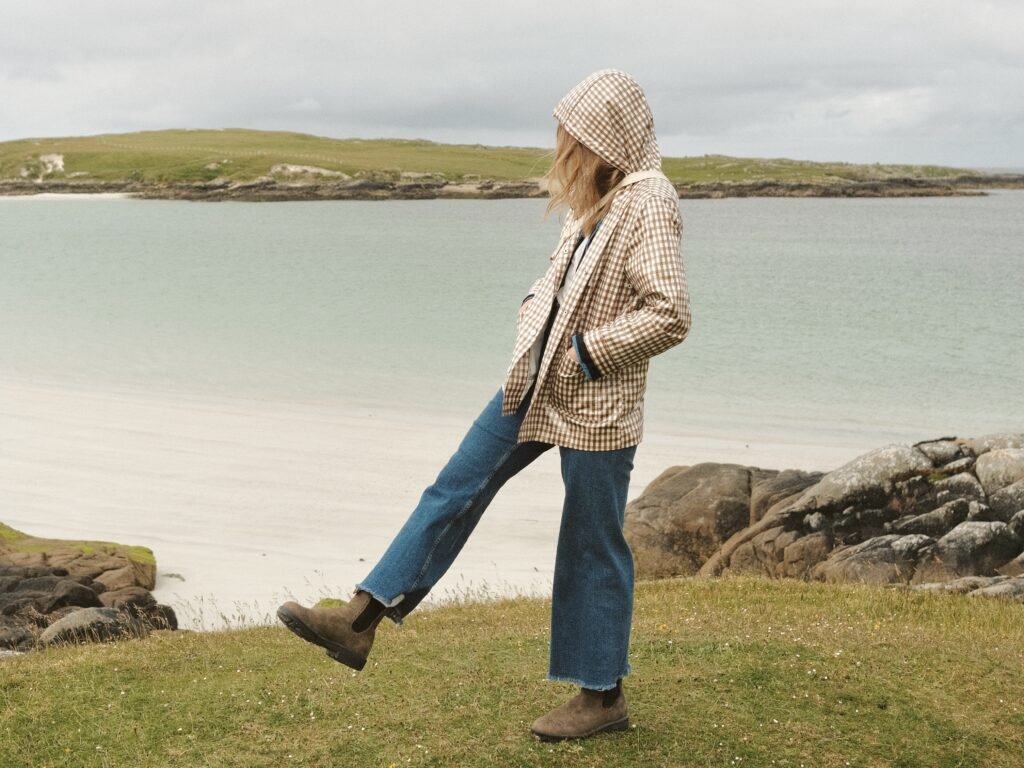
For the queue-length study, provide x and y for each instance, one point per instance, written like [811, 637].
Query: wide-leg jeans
[592, 594]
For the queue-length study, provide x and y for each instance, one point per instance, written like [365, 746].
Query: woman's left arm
[655, 270]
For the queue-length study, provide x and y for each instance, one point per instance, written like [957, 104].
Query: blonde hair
[579, 178]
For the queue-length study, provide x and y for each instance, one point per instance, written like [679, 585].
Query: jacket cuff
[583, 355]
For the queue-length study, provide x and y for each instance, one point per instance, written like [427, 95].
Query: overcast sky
[920, 81]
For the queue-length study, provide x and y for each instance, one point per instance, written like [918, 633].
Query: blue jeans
[592, 595]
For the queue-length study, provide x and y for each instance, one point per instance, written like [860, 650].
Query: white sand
[247, 502]
[71, 196]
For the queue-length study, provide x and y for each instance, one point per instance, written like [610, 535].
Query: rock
[14, 635]
[35, 597]
[999, 468]
[800, 557]
[122, 578]
[162, 617]
[128, 596]
[962, 485]
[39, 583]
[941, 451]
[960, 465]
[982, 445]
[1016, 524]
[854, 526]
[82, 560]
[959, 586]
[982, 513]
[889, 559]
[770, 491]
[68, 593]
[972, 548]
[1011, 588]
[1013, 568]
[12, 603]
[935, 523]
[93, 624]
[866, 481]
[685, 514]
[764, 553]
[1009, 500]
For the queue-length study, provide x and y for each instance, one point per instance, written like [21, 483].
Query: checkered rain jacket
[628, 301]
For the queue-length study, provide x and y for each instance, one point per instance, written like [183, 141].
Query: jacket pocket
[584, 402]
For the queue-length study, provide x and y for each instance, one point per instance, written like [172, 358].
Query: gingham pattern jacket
[628, 301]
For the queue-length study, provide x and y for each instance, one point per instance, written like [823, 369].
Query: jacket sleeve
[654, 269]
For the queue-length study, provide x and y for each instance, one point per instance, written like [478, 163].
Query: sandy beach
[248, 502]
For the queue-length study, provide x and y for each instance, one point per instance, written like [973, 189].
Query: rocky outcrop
[934, 512]
[312, 183]
[687, 513]
[44, 582]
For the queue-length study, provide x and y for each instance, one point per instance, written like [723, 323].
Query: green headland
[272, 165]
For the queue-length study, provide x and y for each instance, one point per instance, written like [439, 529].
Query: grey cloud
[861, 80]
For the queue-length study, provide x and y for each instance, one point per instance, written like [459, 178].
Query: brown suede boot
[587, 713]
[346, 632]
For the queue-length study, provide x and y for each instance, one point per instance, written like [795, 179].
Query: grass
[241, 155]
[735, 672]
[12, 540]
[10, 535]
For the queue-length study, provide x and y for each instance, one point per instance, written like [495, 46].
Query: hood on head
[609, 114]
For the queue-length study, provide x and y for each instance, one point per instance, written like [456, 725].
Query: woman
[613, 296]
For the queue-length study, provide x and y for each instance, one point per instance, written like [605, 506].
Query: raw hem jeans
[592, 595]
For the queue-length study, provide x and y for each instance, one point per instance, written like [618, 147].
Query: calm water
[896, 319]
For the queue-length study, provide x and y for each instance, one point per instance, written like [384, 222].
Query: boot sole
[337, 652]
[618, 725]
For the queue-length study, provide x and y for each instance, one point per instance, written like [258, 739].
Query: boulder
[135, 597]
[960, 465]
[1013, 568]
[763, 553]
[994, 442]
[35, 597]
[1016, 524]
[68, 593]
[853, 526]
[1008, 500]
[686, 513]
[1012, 589]
[866, 481]
[941, 451]
[801, 556]
[960, 586]
[936, 523]
[889, 559]
[962, 485]
[769, 491]
[972, 548]
[118, 579]
[1000, 468]
[93, 624]
[14, 635]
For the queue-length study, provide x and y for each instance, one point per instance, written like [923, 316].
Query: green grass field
[244, 155]
[735, 672]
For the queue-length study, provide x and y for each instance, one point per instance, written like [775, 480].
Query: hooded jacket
[628, 300]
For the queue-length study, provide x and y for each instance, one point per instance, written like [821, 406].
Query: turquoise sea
[882, 318]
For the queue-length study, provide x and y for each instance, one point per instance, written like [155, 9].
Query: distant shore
[273, 190]
[248, 165]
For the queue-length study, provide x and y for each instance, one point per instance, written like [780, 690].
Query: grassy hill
[240, 155]
[734, 672]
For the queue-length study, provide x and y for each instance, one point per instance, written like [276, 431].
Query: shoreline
[247, 502]
[271, 190]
